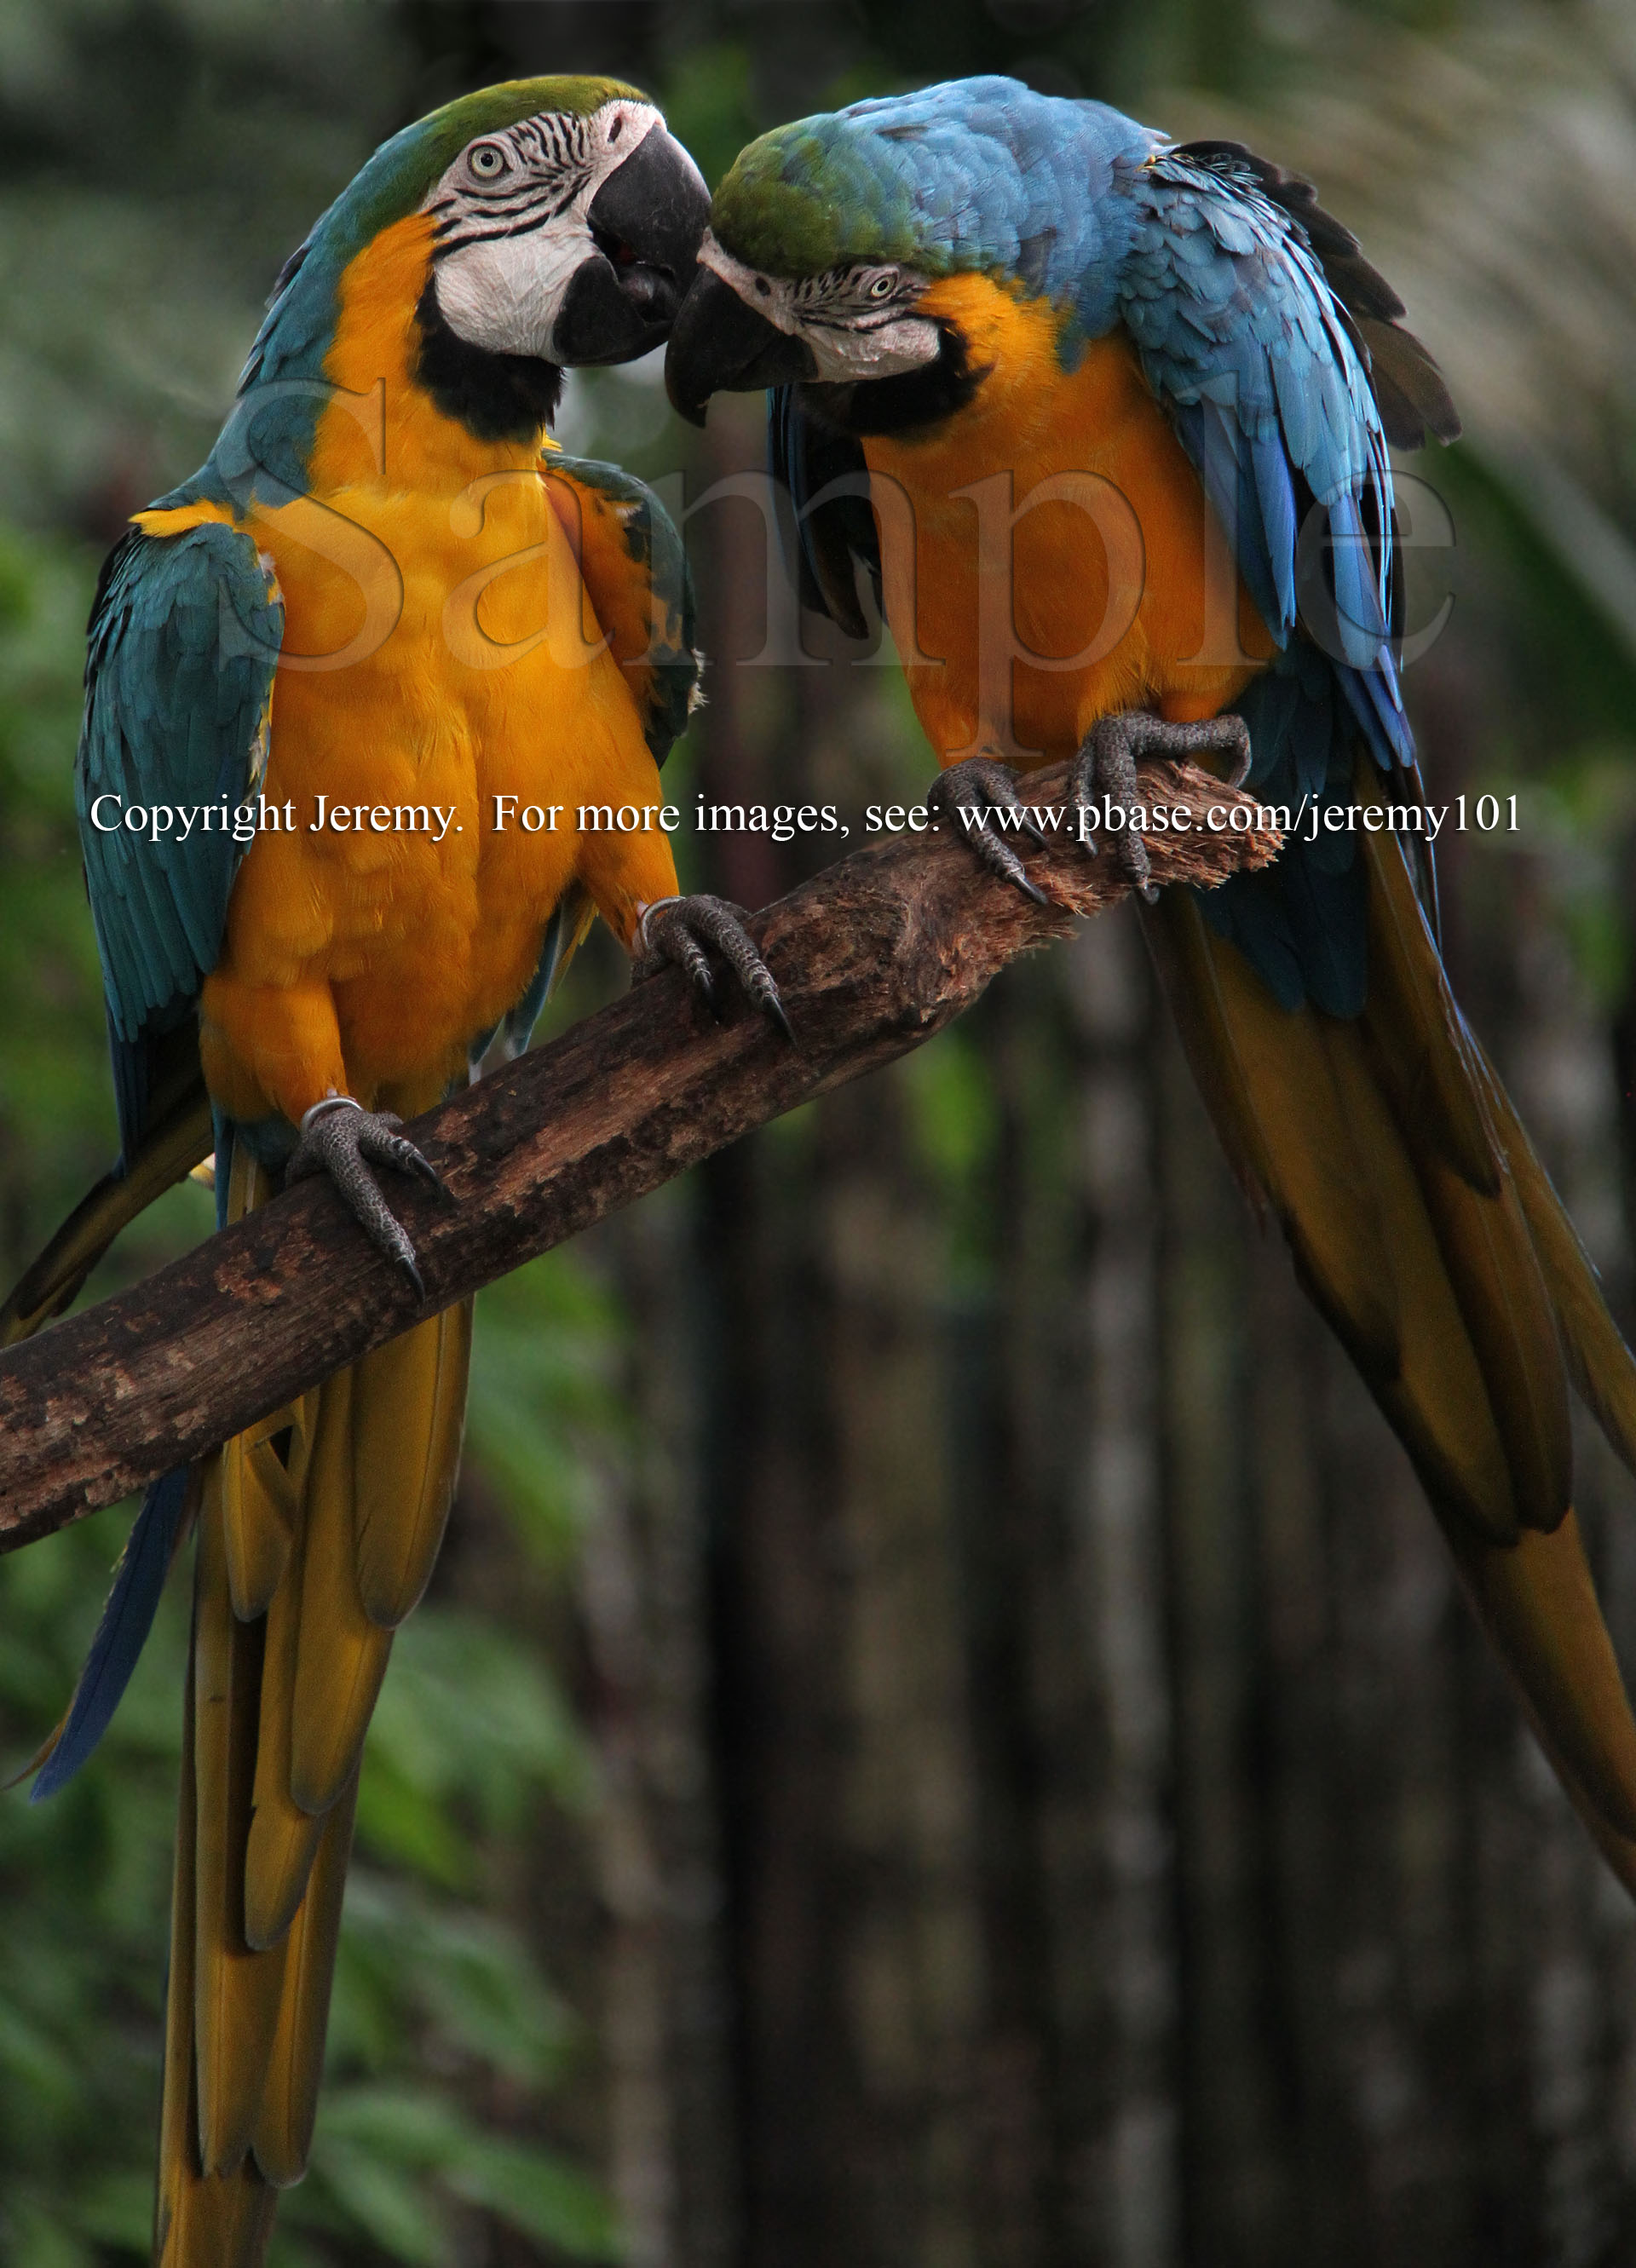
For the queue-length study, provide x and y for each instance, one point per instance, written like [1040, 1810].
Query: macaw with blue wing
[976, 290]
[389, 590]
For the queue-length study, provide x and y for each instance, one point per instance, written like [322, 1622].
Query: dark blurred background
[943, 1736]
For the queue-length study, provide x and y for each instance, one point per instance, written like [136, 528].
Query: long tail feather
[177, 1142]
[284, 1837]
[236, 1989]
[409, 1401]
[340, 1655]
[122, 1633]
[284, 2130]
[1598, 1360]
[1537, 1603]
[345, 1493]
[1451, 1274]
[225, 2219]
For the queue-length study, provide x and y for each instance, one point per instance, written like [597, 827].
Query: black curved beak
[647, 221]
[720, 345]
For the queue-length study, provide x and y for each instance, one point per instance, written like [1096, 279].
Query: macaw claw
[976, 790]
[340, 1138]
[1104, 770]
[674, 932]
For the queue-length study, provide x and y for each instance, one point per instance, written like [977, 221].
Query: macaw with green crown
[386, 595]
[1029, 359]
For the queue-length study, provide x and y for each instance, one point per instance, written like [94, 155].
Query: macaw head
[554, 220]
[830, 242]
[567, 219]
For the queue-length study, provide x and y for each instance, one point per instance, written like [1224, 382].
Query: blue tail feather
[126, 1619]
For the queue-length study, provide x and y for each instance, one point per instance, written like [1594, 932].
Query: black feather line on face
[497, 397]
[450, 243]
[910, 400]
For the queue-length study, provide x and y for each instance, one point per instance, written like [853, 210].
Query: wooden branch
[872, 957]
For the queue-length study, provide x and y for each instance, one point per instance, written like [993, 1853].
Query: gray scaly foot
[1104, 771]
[342, 1139]
[681, 932]
[981, 785]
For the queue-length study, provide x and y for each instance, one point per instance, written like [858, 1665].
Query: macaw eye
[488, 161]
[884, 284]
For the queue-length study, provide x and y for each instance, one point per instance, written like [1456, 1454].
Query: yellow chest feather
[439, 653]
[1049, 557]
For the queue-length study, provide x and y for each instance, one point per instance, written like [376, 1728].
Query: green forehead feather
[809, 196]
[301, 319]
[401, 171]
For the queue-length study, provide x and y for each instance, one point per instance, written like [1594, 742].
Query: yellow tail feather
[340, 1655]
[409, 1405]
[284, 1837]
[1597, 1358]
[284, 2130]
[235, 1989]
[1434, 1395]
[224, 2220]
[1451, 1275]
[1537, 1603]
[349, 1487]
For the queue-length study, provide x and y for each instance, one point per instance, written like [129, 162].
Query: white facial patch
[858, 321]
[512, 222]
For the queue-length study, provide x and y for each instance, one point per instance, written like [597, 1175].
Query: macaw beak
[647, 220]
[720, 345]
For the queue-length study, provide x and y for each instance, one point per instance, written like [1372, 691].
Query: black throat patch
[912, 398]
[497, 397]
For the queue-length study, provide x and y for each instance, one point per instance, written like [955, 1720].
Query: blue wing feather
[184, 639]
[1246, 346]
[185, 634]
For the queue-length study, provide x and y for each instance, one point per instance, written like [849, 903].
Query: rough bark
[873, 956]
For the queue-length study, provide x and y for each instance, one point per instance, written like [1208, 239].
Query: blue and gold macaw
[385, 589]
[1136, 358]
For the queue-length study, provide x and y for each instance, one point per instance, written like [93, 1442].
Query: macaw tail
[178, 1139]
[318, 1530]
[1425, 1230]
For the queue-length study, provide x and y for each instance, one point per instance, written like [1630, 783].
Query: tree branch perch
[872, 956]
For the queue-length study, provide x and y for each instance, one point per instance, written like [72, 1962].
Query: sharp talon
[984, 784]
[677, 930]
[341, 1143]
[1106, 767]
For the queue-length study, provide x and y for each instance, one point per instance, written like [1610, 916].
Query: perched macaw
[385, 589]
[970, 291]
